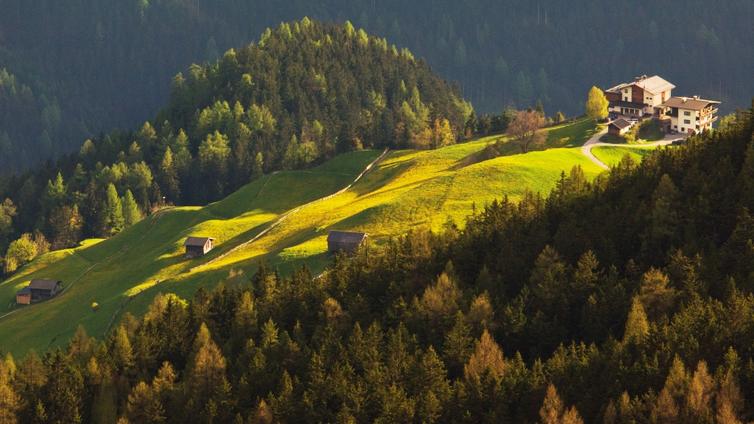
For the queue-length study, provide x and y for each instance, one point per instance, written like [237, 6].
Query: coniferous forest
[69, 71]
[625, 298]
[523, 316]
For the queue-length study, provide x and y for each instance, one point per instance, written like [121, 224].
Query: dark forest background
[70, 70]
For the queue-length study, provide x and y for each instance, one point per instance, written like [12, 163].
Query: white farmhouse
[691, 114]
[642, 97]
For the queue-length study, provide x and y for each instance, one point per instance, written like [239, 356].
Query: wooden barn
[38, 290]
[343, 241]
[198, 246]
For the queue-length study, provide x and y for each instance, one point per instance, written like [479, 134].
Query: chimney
[684, 99]
[696, 97]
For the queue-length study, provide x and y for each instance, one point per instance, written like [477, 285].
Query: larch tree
[114, 220]
[553, 411]
[637, 324]
[131, 212]
[487, 359]
[10, 402]
[596, 104]
[208, 386]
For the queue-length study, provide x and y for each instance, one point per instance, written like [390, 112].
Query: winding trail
[287, 215]
[593, 142]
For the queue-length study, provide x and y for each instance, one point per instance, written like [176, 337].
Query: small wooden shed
[344, 241]
[198, 246]
[38, 290]
[23, 296]
[619, 127]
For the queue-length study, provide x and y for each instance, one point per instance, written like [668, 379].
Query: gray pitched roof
[196, 241]
[690, 103]
[43, 284]
[346, 237]
[621, 123]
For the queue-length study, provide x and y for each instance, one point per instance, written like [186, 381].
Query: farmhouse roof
[346, 237]
[690, 103]
[621, 123]
[617, 88]
[197, 241]
[654, 85]
[43, 284]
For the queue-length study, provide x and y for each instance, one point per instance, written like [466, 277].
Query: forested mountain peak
[304, 93]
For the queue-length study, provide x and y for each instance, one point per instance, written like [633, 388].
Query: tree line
[89, 52]
[304, 93]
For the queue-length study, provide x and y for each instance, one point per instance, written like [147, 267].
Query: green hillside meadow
[612, 155]
[405, 190]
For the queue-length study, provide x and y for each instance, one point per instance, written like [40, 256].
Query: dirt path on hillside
[288, 214]
[593, 142]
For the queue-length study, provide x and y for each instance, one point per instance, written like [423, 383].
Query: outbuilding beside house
[619, 127]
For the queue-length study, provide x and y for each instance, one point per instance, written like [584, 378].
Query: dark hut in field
[344, 241]
[198, 246]
[38, 290]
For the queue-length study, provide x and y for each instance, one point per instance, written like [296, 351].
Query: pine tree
[131, 212]
[143, 406]
[66, 225]
[113, 211]
[457, 347]
[169, 180]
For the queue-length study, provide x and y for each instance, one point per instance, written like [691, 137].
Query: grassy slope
[408, 189]
[612, 155]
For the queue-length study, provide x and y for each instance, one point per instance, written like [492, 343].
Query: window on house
[686, 113]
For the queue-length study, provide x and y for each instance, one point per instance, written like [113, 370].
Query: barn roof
[621, 123]
[346, 237]
[23, 291]
[197, 241]
[43, 284]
